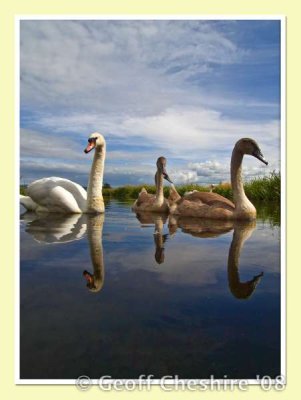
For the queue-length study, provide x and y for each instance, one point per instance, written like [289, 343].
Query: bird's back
[204, 205]
[144, 202]
[208, 198]
[58, 194]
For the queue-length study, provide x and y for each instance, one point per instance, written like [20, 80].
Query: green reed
[23, 190]
[259, 189]
[264, 189]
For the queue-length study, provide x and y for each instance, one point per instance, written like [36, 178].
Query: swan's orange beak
[90, 146]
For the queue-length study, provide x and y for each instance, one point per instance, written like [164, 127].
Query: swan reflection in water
[58, 228]
[243, 230]
[158, 220]
[61, 228]
[55, 228]
[198, 227]
[95, 225]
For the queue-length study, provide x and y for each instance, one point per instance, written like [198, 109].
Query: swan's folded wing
[210, 199]
[58, 195]
[77, 191]
[144, 197]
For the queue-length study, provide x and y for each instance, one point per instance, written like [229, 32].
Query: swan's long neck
[95, 202]
[159, 188]
[243, 206]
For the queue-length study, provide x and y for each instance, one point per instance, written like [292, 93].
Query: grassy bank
[265, 189]
[259, 189]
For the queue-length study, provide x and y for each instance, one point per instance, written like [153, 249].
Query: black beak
[165, 176]
[260, 157]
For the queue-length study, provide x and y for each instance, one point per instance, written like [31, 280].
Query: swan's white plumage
[61, 195]
[28, 203]
[58, 195]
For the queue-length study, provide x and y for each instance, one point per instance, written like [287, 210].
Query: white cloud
[138, 82]
[184, 177]
[201, 137]
[42, 144]
[121, 66]
[175, 129]
[216, 172]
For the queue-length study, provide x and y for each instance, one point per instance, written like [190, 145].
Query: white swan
[64, 196]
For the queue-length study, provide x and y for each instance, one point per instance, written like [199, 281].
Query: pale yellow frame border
[7, 169]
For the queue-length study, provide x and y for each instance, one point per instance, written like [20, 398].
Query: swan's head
[93, 284]
[249, 146]
[161, 166]
[95, 140]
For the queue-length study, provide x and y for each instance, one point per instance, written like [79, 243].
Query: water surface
[125, 295]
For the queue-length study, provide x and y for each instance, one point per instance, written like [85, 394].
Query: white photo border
[223, 382]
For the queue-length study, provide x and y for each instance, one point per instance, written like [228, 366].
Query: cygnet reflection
[243, 230]
[158, 220]
[241, 290]
[199, 227]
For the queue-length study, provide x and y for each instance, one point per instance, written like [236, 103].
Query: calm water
[124, 296]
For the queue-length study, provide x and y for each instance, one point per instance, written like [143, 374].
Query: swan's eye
[91, 140]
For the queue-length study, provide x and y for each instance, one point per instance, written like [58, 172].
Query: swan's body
[55, 195]
[150, 202]
[212, 205]
[64, 196]
[204, 205]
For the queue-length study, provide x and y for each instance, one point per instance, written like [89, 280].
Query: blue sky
[187, 90]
